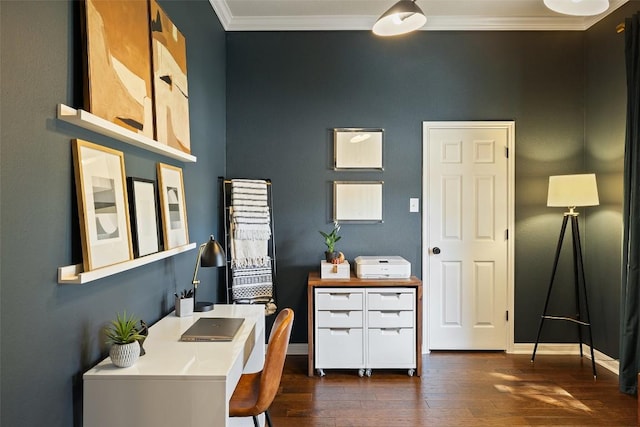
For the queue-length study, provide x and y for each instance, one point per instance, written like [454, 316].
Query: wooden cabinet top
[315, 281]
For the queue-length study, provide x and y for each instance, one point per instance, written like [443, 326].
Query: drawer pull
[390, 331]
[340, 313]
[339, 296]
[340, 331]
[394, 296]
[390, 314]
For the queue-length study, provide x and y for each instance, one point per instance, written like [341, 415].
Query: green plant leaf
[123, 330]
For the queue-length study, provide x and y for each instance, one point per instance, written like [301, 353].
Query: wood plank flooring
[456, 389]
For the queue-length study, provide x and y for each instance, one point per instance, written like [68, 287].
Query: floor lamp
[571, 191]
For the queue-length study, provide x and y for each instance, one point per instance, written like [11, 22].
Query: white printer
[382, 267]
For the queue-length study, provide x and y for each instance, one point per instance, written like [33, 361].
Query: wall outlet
[414, 204]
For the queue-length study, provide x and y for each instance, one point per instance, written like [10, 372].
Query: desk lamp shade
[210, 254]
[213, 255]
[570, 191]
[578, 7]
[403, 17]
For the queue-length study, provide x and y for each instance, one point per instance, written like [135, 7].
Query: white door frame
[510, 149]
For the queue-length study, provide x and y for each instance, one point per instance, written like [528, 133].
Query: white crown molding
[221, 9]
[613, 5]
[434, 23]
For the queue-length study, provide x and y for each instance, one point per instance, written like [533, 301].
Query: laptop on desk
[211, 329]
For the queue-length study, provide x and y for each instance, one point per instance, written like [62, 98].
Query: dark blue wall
[286, 90]
[51, 333]
[269, 102]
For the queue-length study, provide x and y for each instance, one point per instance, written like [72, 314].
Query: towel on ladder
[250, 226]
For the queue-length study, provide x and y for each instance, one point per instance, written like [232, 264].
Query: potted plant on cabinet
[123, 335]
[330, 240]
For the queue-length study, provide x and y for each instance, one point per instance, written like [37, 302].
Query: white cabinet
[364, 324]
[391, 328]
[365, 328]
[339, 324]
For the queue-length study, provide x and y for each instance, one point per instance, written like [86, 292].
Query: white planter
[124, 355]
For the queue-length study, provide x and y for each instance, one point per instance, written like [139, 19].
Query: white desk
[177, 383]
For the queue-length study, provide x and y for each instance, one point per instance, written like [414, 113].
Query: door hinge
[507, 315]
[506, 234]
[506, 152]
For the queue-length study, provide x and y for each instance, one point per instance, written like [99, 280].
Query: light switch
[414, 204]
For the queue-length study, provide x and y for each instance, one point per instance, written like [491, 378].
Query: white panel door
[466, 211]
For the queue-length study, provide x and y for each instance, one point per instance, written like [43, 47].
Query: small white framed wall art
[358, 148]
[357, 201]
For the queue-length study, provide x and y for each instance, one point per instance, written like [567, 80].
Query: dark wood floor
[457, 389]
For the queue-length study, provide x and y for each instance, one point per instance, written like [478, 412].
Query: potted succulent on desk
[330, 239]
[123, 335]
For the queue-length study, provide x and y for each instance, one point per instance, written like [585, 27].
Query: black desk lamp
[210, 254]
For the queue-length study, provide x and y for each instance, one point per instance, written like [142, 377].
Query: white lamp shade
[578, 7]
[403, 17]
[573, 190]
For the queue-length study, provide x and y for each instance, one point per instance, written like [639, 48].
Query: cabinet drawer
[390, 318]
[392, 348]
[391, 299]
[337, 299]
[339, 319]
[339, 348]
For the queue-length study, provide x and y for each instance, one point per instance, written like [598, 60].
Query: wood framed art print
[102, 205]
[173, 206]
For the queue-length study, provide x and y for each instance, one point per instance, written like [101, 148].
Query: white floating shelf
[99, 125]
[73, 274]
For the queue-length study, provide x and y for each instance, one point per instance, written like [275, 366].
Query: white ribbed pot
[124, 355]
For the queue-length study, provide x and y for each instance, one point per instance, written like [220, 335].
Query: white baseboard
[301, 349]
[298, 349]
[602, 359]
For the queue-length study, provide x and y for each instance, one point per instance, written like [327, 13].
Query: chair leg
[255, 421]
[267, 418]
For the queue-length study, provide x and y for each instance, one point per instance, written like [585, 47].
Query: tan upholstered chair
[255, 392]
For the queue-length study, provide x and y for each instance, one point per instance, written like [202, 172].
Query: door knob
[436, 250]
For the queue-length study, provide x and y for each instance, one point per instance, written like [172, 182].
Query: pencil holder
[184, 307]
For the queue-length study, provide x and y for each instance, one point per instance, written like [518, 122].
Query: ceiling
[336, 15]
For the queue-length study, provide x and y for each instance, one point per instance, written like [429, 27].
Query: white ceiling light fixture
[578, 7]
[403, 17]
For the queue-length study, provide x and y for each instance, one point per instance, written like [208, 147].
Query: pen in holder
[184, 303]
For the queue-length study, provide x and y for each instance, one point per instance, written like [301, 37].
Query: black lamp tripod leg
[553, 274]
[577, 269]
[578, 263]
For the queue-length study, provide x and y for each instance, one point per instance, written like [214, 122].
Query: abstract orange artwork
[118, 78]
[171, 95]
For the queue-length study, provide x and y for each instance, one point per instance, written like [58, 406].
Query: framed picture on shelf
[357, 201]
[144, 216]
[102, 205]
[357, 148]
[173, 206]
